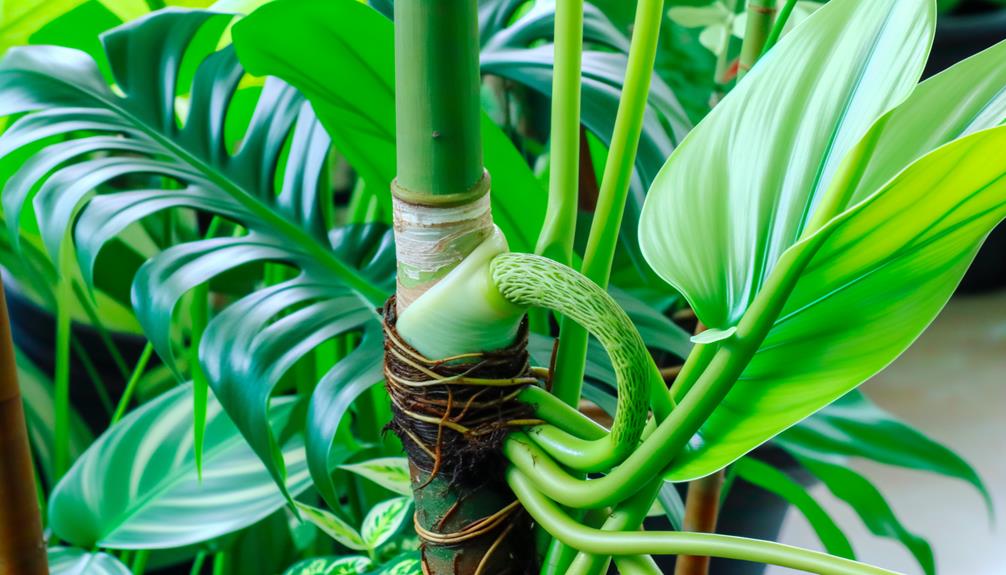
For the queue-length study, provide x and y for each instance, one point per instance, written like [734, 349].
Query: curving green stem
[557, 522]
[780, 24]
[556, 238]
[626, 517]
[529, 280]
[603, 239]
[674, 433]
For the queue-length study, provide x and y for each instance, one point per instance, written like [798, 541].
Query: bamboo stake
[22, 547]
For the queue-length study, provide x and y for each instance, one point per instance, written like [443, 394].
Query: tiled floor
[952, 385]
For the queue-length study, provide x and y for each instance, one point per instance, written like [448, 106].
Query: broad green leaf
[853, 295]
[351, 565]
[350, 84]
[137, 487]
[73, 561]
[389, 472]
[271, 184]
[739, 190]
[771, 479]
[334, 527]
[856, 490]
[384, 520]
[405, 564]
[854, 426]
[961, 100]
[873, 279]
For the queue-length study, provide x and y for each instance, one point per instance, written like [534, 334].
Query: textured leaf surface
[384, 520]
[334, 527]
[73, 561]
[137, 486]
[330, 566]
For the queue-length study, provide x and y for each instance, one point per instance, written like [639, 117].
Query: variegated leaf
[351, 565]
[392, 473]
[137, 486]
[73, 561]
[336, 528]
[384, 520]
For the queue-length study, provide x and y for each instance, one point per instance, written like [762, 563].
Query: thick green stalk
[556, 238]
[625, 517]
[442, 215]
[437, 81]
[607, 221]
[22, 547]
[597, 541]
[761, 14]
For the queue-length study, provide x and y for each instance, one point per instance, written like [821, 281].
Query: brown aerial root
[453, 413]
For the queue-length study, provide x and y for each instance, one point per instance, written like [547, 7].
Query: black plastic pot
[959, 36]
[748, 511]
[34, 331]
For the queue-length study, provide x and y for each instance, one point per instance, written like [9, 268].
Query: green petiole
[597, 541]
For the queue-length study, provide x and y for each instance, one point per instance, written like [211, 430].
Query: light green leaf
[351, 565]
[874, 278]
[73, 561]
[961, 100]
[137, 487]
[771, 479]
[336, 528]
[700, 16]
[384, 520]
[713, 38]
[714, 335]
[856, 490]
[739, 190]
[405, 564]
[392, 473]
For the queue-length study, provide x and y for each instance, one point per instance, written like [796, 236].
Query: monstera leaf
[127, 153]
[758, 218]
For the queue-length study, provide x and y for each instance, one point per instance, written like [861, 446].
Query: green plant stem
[603, 239]
[220, 563]
[556, 238]
[61, 380]
[197, 563]
[134, 379]
[722, 61]
[626, 517]
[438, 128]
[106, 338]
[759, 25]
[92, 373]
[671, 436]
[139, 565]
[780, 24]
[558, 523]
